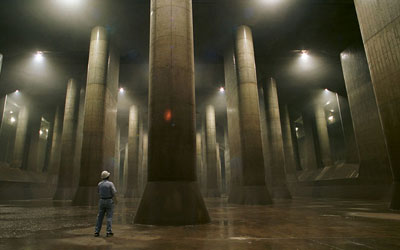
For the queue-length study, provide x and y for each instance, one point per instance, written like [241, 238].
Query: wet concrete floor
[298, 224]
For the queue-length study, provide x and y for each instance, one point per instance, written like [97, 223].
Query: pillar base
[212, 193]
[86, 196]
[172, 203]
[395, 203]
[250, 195]
[64, 193]
[281, 192]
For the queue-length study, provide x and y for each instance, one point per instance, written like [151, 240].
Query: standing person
[106, 190]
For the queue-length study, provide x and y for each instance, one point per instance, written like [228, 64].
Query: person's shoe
[96, 234]
[110, 234]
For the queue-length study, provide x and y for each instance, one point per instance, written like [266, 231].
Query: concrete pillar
[140, 158]
[370, 140]
[219, 169]
[254, 190]
[323, 136]
[264, 138]
[55, 153]
[132, 174]
[277, 156]
[79, 138]
[213, 189]
[93, 148]
[288, 146]
[234, 136]
[33, 145]
[110, 109]
[65, 188]
[117, 160]
[172, 141]
[1, 62]
[311, 161]
[199, 161]
[20, 137]
[125, 170]
[380, 23]
[144, 161]
[203, 184]
[227, 163]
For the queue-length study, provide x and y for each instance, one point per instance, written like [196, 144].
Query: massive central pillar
[213, 189]
[277, 157]
[20, 137]
[65, 188]
[132, 186]
[254, 190]
[172, 196]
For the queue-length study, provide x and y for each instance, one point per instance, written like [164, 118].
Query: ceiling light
[221, 89]
[304, 55]
[39, 56]
[121, 90]
[12, 119]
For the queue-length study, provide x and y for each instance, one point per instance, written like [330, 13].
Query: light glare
[221, 89]
[39, 56]
[121, 90]
[304, 55]
[12, 119]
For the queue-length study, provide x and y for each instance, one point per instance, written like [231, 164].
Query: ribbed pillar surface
[172, 196]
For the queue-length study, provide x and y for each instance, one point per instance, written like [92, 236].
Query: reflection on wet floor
[297, 224]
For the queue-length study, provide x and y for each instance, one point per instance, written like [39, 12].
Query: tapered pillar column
[254, 190]
[277, 157]
[213, 189]
[323, 136]
[20, 137]
[380, 24]
[234, 137]
[227, 163]
[368, 132]
[65, 189]
[117, 159]
[199, 160]
[79, 138]
[132, 186]
[92, 158]
[125, 169]
[144, 161]
[172, 196]
[55, 153]
[219, 169]
[288, 147]
[311, 158]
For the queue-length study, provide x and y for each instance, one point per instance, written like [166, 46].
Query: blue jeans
[105, 207]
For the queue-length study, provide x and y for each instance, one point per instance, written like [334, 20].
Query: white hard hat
[105, 174]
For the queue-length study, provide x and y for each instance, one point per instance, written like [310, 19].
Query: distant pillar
[20, 137]
[172, 139]
[199, 160]
[219, 169]
[311, 159]
[117, 159]
[132, 186]
[323, 136]
[290, 158]
[125, 170]
[254, 190]
[213, 189]
[65, 189]
[79, 138]
[278, 174]
[227, 163]
[55, 153]
[144, 161]
[94, 150]
[33, 142]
